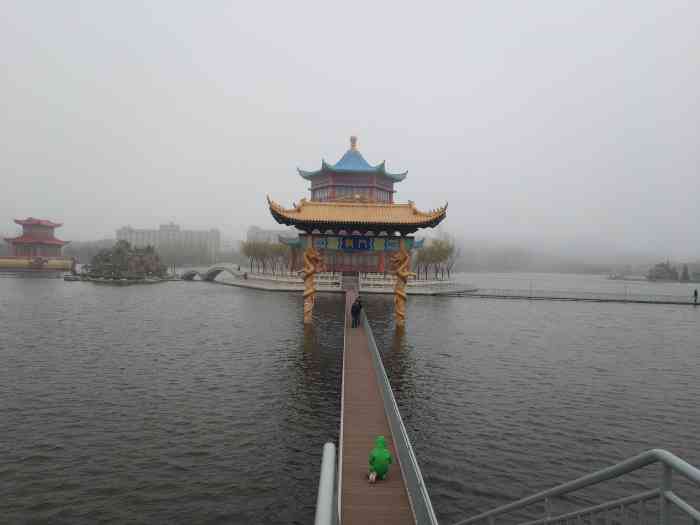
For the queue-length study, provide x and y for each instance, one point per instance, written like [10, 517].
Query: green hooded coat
[380, 458]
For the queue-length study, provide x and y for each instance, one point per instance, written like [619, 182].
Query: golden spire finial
[353, 142]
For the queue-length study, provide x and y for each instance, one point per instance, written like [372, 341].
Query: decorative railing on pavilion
[334, 280]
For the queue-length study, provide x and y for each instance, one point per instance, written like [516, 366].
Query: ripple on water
[170, 404]
[535, 394]
[195, 403]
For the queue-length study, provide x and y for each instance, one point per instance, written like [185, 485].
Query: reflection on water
[197, 403]
[175, 403]
[504, 398]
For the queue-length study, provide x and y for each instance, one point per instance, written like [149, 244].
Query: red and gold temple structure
[37, 249]
[352, 224]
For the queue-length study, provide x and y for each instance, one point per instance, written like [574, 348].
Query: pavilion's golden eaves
[356, 213]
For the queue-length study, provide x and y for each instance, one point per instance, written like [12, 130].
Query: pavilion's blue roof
[353, 162]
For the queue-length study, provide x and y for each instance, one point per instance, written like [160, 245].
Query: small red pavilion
[37, 239]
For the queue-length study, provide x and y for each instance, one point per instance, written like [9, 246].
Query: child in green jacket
[379, 460]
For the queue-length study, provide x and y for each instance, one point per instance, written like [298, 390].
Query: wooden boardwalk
[363, 419]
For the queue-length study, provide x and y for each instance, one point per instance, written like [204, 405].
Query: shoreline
[268, 286]
[452, 291]
[577, 299]
[124, 282]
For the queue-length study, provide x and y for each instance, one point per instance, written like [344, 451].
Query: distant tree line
[436, 257]
[170, 254]
[266, 257]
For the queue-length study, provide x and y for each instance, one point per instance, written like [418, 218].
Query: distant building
[256, 234]
[663, 272]
[169, 238]
[37, 239]
[229, 244]
[37, 249]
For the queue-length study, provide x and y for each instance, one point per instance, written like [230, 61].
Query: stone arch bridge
[210, 274]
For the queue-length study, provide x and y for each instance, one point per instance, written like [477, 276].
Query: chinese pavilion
[37, 248]
[352, 223]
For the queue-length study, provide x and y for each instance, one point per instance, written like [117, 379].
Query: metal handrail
[339, 507]
[415, 485]
[326, 484]
[670, 464]
[615, 504]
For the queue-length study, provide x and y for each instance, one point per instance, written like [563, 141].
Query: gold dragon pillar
[402, 268]
[312, 264]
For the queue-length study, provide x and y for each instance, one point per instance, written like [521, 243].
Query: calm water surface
[584, 286]
[200, 403]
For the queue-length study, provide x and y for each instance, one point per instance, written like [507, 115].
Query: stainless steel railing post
[547, 508]
[666, 486]
[326, 484]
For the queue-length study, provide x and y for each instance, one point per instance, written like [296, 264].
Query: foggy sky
[574, 124]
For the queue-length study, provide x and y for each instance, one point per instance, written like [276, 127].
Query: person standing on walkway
[353, 312]
[359, 311]
[695, 297]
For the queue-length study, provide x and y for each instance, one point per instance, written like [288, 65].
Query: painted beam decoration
[355, 244]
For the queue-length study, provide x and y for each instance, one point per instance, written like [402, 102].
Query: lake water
[201, 403]
[578, 286]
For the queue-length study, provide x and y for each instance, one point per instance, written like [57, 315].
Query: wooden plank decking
[363, 419]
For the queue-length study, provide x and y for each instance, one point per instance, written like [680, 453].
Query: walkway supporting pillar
[313, 263]
[402, 268]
